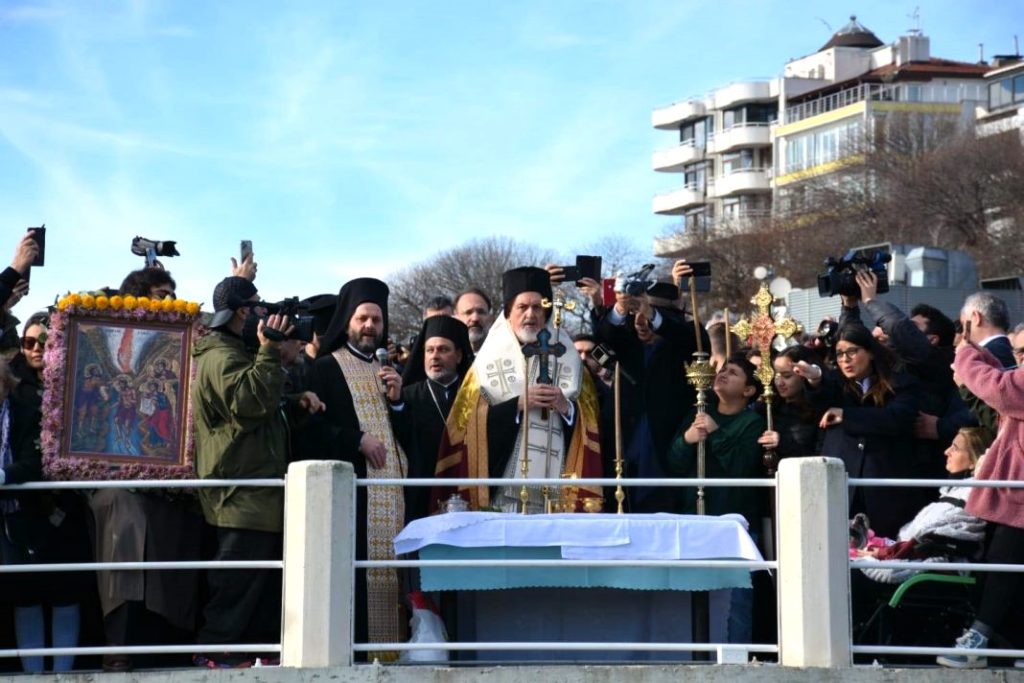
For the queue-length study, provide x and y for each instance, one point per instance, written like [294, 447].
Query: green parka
[240, 431]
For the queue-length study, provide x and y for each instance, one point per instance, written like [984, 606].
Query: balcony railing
[879, 92]
[675, 157]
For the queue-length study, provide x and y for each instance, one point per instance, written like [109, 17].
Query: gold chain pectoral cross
[761, 330]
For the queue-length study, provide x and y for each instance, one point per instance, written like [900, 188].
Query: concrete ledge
[767, 673]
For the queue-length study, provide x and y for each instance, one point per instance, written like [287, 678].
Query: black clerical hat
[359, 291]
[526, 279]
[438, 326]
[321, 307]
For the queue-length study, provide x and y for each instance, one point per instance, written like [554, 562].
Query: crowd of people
[918, 396]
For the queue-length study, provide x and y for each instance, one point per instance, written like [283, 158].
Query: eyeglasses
[848, 352]
[29, 343]
[161, 293]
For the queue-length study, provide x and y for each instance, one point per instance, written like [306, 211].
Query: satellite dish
[760, 273]
[780, 287]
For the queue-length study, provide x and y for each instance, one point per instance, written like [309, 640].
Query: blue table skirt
[493, 578]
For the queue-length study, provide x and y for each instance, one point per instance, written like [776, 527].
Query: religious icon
[116, 392]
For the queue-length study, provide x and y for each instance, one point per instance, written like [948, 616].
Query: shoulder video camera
[298, 316]
[840, 275]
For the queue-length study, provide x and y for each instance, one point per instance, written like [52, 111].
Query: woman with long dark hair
[39, 526]
[795, 418]
[869, 408]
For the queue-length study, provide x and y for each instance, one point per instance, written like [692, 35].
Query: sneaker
[970, 640]
[222, 661]
[1019, 664]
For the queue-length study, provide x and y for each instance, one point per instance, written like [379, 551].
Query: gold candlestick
[620, 495]
[524, 466]
[701, 374]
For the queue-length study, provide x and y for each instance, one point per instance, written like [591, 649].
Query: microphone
[385, 362]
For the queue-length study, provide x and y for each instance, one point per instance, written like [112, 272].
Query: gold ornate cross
[558, 304]
[761, 331]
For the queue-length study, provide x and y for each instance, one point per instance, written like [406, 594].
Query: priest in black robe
[439, 360]
[366, 423]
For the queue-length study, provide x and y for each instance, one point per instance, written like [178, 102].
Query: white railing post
[814, 572]
[318, 574]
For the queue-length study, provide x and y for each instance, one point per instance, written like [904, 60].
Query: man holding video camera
[652, 343]
[241, 433]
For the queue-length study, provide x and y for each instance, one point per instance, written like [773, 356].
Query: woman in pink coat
[1003, 508]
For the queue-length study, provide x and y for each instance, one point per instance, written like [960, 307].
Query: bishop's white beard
[526, 336]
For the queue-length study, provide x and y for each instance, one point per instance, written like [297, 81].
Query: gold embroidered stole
[385, 505]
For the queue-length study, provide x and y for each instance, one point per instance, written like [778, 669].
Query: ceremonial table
[584, 604]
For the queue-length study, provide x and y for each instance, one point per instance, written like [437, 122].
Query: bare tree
[479, 263]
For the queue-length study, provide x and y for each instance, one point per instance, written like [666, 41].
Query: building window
[1018, 88]
[736, 161]
[695, 133]
[1000, 93]
[694, 176]
[696, 220]
[762, 113]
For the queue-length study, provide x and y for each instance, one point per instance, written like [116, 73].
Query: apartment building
[1003, 108]
[747, 147]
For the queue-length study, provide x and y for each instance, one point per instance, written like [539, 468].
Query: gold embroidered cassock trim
[385, 505]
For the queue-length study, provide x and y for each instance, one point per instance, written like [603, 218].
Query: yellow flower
[74, 299]
[154, 305]
[142, 302]
[130, 301]
[62, 304]
[180, 305]
[102, 303]
[167, 305]
[192, 308]
[88, 301]
[116, 302]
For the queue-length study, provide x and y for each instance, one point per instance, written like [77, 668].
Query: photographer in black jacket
[652, 344]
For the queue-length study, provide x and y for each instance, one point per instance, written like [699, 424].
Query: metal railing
[933, 566]
[878, 92]
[140, 486]
[725, 651]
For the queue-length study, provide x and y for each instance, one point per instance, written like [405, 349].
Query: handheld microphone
[382, 358]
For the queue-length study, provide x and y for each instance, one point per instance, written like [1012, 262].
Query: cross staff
[762, 330]
[542, 348]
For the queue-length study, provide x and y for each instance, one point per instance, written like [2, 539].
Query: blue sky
[350, 139]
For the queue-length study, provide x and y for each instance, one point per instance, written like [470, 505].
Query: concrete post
[814, 573]
[319, 514]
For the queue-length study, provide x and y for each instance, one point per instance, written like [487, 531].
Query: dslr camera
[298, 316]
[142, 246]
[839, 275]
